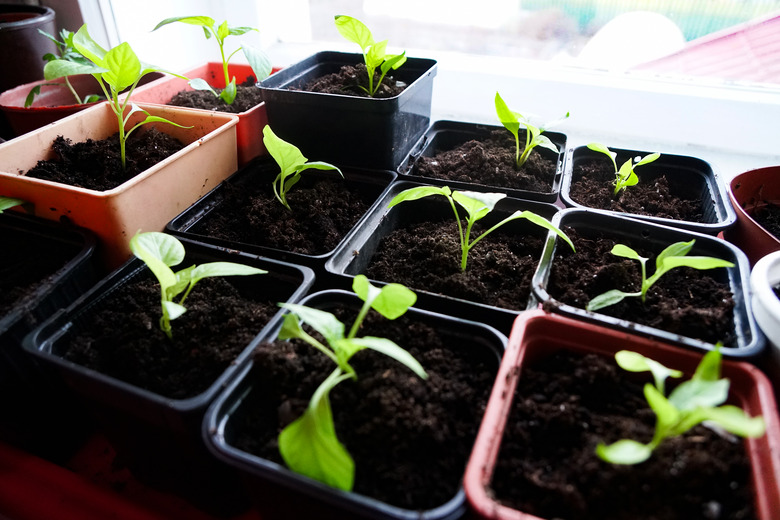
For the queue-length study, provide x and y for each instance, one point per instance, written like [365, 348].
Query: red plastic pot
[249, 131]
[537, 334]
[747, 191]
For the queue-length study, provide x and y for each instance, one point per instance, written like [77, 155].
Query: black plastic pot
[158, 437]
[23, 46]
[689, 175]
[369, 184]
[750, 342]
[281, 493]
[448, 135]
[349, 130]
[355, 253]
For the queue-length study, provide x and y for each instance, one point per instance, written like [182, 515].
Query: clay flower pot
[538, 337]
[147, 201]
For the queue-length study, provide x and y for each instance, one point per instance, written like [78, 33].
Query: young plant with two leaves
[675, 255]
[374, 53]
[115, 70]
[533, 135]
[160, 252]
[258, 60]
[309, 445]
[291, 162]
[625, 175]
[477, 205]
[697, 400]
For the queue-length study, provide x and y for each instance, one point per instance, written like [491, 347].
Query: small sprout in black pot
[309, 444]
[115, 70]
[477, 206]
[625, 176]
[160, 252]
[292, 164]
[258, 60]
[374, 53]
[533, 135]
[698, 400]
[8, 203]
[671, 257]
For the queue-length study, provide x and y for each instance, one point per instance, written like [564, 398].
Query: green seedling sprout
[374, 53]
[160, 252]
[700, 399]
[115, 70]
[9, 202]
[671, 257]
[477, 206]
[258, 60]
[625, 176]
[309, 444]
[67, 52]
[533, 135]
[292, 164]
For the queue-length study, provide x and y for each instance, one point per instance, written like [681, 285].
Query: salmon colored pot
[147, 201]
[747, 191]
[536, 334]
[249, 131]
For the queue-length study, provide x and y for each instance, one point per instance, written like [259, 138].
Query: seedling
[8, 203]
[309, 444]
[533, 135]
[257, 59]
[671, 257]
[115, 70]
[477, 206]
[69, 53]
[625, 176]
[697, 400]
[160, 252]
[374, 53]
[292, 163]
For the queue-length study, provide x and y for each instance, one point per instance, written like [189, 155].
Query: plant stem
[73, 91]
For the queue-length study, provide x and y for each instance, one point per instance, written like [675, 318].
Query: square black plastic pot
[448, 135]
[279, 493]
[348, 130]
[690, 175]
[158, 437]
[355, 254]
[750, 341]
[369, 184]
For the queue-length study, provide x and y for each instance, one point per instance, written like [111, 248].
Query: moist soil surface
[683, 301]
[97, 164]
[323, 212]
[247, 96]
[410, 438]
[349, 80]
[490, 162]
[547, 466]
[426, 256]
[768, 216]
[593, 184]
[123, 338]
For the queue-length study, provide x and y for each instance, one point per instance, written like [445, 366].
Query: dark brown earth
[564, 406]
[247, 96]
[349, 80]
[768, 217]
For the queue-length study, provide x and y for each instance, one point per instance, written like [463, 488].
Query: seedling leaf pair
[533, 135]
[625, 175]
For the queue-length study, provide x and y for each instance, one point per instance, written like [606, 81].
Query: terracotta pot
[249, 130]
[748, 191]
[147, 201]
[536, 335]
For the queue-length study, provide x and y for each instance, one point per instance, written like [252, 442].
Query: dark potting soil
[768, 217]
[247, 96]
[427, 255]
[685, 301]
[97, 165]
[593, 181]
[490, 162]
[323, 211]
[410, 438]
[28, 265]
[123, 338]
[348, 80]
[547, 466]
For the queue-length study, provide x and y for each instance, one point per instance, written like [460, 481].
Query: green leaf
[201, 84]
[676, 249]
[390, 349]
[477, 204]
[543, 223]
[159, 252]
[624, 451]
[636, 362]
[8, 203]
[91, 98]
[228, 94]
[173, 310]
[606, 299]
[393, 62]
[544, 142]
[666, 412]
[31, 95]
[223, 31]
[88, 47]
[323, 322]
[697, 262]
[709, 366]
[696, 393]
[736, 421]
[624, 251]
[319, 165]
[203, 21]
[391, 301]
[508, 118]
[212, 269]
[287, 155]
[259, 61]
[419, 192]
[238, 31]
[376, 55]
[648, 159]
[61, 68]
[124, 67]
[598, 147]
[354, 30]
[291, 328]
